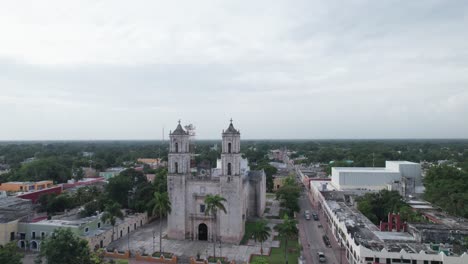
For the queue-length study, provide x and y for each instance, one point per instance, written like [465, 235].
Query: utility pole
[373, 160]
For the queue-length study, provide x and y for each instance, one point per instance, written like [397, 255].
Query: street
[313, 234]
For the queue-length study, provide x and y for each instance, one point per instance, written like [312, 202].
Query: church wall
[232, 224]
[176, 219]
[261, 197]
[196, 192]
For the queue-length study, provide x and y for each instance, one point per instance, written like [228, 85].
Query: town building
[111, 172]
[153, 163]
[98, 233]
[12, 210]
[243, 189]
[279, 177]
[403, 176]
[393, 241]
[25, 186]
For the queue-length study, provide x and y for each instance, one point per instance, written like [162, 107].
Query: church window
[229, 147]
[229, 169]
[202, 208]
[176, 147]
[176, 167]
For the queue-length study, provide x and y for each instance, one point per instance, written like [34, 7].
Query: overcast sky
[281, 69]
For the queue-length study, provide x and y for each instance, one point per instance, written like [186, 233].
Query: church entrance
[202, 232]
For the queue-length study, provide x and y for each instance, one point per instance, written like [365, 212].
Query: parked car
[326, 240]
[321, 257]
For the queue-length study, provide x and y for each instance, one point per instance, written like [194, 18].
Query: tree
[63, 246]
[111, 213]
[446, 187]
[162, 206]
[213, 204]
[261, 233]
[127, 183]
[288, 230]
[9, 254]
[288, 195]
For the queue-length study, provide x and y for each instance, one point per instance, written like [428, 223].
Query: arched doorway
[202, 232]
[33, 245]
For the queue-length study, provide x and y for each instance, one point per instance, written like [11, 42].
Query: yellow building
[25, 186]
[278, 182]
[8, 231]
[12, 210]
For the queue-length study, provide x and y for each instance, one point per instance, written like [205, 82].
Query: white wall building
[346, 178]
[363, 242]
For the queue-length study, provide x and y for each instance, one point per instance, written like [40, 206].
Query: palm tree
[162, 206]
[111, 213]
[261, 233]
[287, 230]
[213, 204]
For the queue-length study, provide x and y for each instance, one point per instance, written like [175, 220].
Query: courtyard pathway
[142, 240]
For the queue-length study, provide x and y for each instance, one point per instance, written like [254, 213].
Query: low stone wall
[193, 261]
[161, 259]
[116, 254]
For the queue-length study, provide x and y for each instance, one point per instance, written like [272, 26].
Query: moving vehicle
[321, 257]
[307, 214]
[326, 240]
[315, 216]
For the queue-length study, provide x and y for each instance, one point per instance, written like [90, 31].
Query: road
[313, 234]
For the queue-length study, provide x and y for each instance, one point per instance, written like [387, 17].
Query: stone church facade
[244, 191]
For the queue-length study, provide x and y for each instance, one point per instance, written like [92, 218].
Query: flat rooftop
[366, 233]
[361, 169]
[12, 208]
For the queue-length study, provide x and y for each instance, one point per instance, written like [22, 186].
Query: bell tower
[232, 187]
[230, 152]
[179, 154]
[178, 169]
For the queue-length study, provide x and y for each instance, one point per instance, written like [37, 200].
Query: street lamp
[153, 239]
[220, 249]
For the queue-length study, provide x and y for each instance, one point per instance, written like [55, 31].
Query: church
[243, 189]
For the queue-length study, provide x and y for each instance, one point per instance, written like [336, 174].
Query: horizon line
[219, 139]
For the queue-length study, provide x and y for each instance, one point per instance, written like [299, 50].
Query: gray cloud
[312, 69]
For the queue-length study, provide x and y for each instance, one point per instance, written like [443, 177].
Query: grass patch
[221, 259]
[121, 261]
[277, 254]
[249, 227]
[282, 212]
[271, 195]
[165, 254]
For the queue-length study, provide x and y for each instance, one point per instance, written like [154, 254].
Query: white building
[362, 242]
[404, 172]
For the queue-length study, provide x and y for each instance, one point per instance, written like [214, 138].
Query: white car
[307, 214]
[321, 257]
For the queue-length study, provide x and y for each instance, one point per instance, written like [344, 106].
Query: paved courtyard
[142, 240]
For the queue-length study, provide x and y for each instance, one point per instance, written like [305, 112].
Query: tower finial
[179, 121]
[231, 120]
